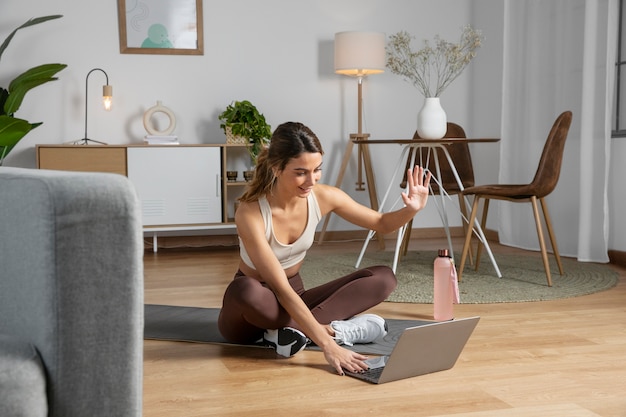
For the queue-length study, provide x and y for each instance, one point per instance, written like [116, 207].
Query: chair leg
[468, 237]
[555, 249]
[483, 223]
[463, 208]
[404, 248]
[542, 243]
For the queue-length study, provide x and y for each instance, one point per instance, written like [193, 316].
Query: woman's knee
[385, 277]
[250, 296]
[243, 290]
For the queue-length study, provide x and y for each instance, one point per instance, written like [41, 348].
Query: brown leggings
[249, 306]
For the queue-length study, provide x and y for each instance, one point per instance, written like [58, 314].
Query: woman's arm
[337, 201]
[251, 230]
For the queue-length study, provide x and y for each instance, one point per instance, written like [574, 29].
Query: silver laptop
[420, 350]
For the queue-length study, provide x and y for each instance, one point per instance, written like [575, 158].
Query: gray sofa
[71, 295]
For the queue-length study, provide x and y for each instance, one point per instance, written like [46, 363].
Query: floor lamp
[359, 54]
[107, 101]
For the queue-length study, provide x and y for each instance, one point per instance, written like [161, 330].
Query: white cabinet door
[177, 186]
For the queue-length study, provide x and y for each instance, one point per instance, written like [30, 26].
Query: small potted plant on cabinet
[243, 123]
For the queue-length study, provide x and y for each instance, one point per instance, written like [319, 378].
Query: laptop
[420, 350]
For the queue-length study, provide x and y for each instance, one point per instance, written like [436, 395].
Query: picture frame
[161, 27]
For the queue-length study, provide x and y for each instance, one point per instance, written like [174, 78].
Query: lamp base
[87, 141]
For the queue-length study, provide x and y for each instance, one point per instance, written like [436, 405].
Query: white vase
[431, 119]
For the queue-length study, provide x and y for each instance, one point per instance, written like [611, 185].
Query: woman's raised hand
[416, 195]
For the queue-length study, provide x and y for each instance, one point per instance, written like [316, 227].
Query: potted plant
[243, 123]
[13, 129]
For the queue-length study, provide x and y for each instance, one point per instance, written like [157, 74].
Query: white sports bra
[287, 255]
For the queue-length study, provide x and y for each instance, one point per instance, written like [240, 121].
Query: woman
[276, 222]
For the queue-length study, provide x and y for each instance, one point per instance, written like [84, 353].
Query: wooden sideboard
[181, 187]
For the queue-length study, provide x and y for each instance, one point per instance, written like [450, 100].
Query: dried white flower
[432, 68]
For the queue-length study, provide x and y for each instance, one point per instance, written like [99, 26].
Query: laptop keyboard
[373, 373]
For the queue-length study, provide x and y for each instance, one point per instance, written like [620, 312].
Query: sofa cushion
[22, 379]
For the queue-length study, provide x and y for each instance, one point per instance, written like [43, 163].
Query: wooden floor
[552, 358]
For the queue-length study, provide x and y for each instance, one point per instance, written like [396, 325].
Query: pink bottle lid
[443, 253]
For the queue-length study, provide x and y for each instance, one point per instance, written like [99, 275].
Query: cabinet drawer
[83, 158]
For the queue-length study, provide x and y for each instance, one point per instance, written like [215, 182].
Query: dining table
[433, 147]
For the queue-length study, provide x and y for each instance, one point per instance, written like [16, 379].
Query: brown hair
[288, 141]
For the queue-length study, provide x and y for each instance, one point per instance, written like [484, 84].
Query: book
[161, 140]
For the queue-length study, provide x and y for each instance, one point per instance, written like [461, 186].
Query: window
[619, 116]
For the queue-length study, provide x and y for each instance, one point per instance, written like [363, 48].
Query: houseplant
[431, 70]
[241, 119]
[13, 129]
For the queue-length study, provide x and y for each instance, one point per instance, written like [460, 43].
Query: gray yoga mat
[196, 324]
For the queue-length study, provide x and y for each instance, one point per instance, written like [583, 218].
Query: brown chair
[462, 159]
[543, 184]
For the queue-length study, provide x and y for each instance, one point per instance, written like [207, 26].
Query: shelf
[236, 183]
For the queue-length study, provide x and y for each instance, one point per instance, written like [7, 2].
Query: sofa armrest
[71, 250]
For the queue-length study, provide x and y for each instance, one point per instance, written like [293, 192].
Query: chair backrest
[549, 169]
[461, 156]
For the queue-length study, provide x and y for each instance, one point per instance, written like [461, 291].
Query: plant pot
[232, 175]
[248, 175]
[431, 119]
[232, 139]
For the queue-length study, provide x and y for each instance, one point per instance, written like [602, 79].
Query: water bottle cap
[443, 253]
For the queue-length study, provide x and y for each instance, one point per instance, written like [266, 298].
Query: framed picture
[166, 27]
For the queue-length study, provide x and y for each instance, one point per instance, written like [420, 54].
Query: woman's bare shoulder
[247, 210]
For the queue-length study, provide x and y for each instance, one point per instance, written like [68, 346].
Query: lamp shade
[359, 53]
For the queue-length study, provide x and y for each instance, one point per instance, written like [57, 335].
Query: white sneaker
[359, 329]
[286, 341]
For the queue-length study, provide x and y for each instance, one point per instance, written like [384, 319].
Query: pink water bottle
[445, 292]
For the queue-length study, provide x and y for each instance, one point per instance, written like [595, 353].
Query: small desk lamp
[107, 101]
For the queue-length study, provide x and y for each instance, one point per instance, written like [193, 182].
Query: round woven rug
[523, 277]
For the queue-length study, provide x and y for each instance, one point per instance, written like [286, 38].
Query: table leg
[370, 234]
[441, 209]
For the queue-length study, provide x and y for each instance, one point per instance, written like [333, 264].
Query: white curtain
[559, 55]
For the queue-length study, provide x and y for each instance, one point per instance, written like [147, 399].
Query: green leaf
[12, 130]
[40, 72]
[26, 81]
[28, 23]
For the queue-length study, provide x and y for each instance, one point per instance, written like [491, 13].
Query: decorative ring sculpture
[147, 120]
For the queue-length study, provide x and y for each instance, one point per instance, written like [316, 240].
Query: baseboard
[188, 242]
[202, 241]
[617, 257]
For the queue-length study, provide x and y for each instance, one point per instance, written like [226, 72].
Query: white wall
[277, 54]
